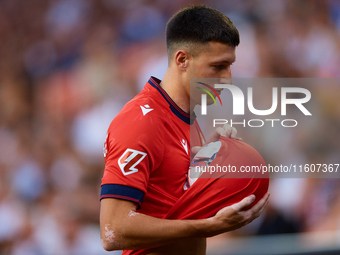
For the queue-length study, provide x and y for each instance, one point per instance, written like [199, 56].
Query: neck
[175, 88]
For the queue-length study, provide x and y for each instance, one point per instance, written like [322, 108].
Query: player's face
[213, 63]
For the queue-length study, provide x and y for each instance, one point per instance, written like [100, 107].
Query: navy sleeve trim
[122, 192]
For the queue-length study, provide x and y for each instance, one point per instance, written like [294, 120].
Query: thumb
[243, 203]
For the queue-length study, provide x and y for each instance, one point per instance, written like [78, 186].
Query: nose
[226, 76]
[225, 80]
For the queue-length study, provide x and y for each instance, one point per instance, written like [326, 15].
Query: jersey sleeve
[132, 150]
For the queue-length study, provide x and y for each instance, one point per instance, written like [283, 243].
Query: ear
[182, 58]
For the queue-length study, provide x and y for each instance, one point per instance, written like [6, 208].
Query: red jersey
[212, 191]
[147, 157]
[147, 151]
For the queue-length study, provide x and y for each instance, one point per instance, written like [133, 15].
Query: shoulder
[140, 125]
[138, 116]
[141, 112]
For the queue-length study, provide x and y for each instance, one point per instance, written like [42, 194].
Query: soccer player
[147, 149]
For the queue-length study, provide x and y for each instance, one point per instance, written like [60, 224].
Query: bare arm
[122, 228]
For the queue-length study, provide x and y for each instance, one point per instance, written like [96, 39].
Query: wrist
[205, 227]
[215, 226]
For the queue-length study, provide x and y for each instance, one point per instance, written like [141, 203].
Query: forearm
[135, 230]
[122, 228]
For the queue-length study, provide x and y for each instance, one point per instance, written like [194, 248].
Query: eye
[219, 67]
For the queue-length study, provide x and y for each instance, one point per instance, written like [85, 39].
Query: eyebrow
[223, 62]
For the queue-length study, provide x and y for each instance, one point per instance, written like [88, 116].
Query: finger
[243, 203]
[254, 215]
[262, 209]
[195, 149]
[260, 205]
[233, 132]
[227, 129]
[257, 209]
[239, 139]
[220, 132]
[216, 135]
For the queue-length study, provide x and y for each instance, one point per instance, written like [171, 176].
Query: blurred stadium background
[68, 66]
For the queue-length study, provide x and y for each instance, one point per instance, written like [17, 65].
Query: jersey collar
[187, 118]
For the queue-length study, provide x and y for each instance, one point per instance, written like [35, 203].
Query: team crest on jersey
[129, 160]
[203, 159]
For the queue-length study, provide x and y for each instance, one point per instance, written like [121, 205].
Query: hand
[226, 131]
[234, 217]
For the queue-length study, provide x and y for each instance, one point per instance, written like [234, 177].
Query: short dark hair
[199, 24]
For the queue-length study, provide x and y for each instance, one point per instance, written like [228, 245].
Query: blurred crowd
[68, 66]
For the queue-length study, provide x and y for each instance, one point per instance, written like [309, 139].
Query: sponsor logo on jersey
[145, 109]
[185, 145]
[129, 160]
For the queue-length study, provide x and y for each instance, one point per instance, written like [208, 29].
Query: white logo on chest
[185, 145]
[145, 109]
